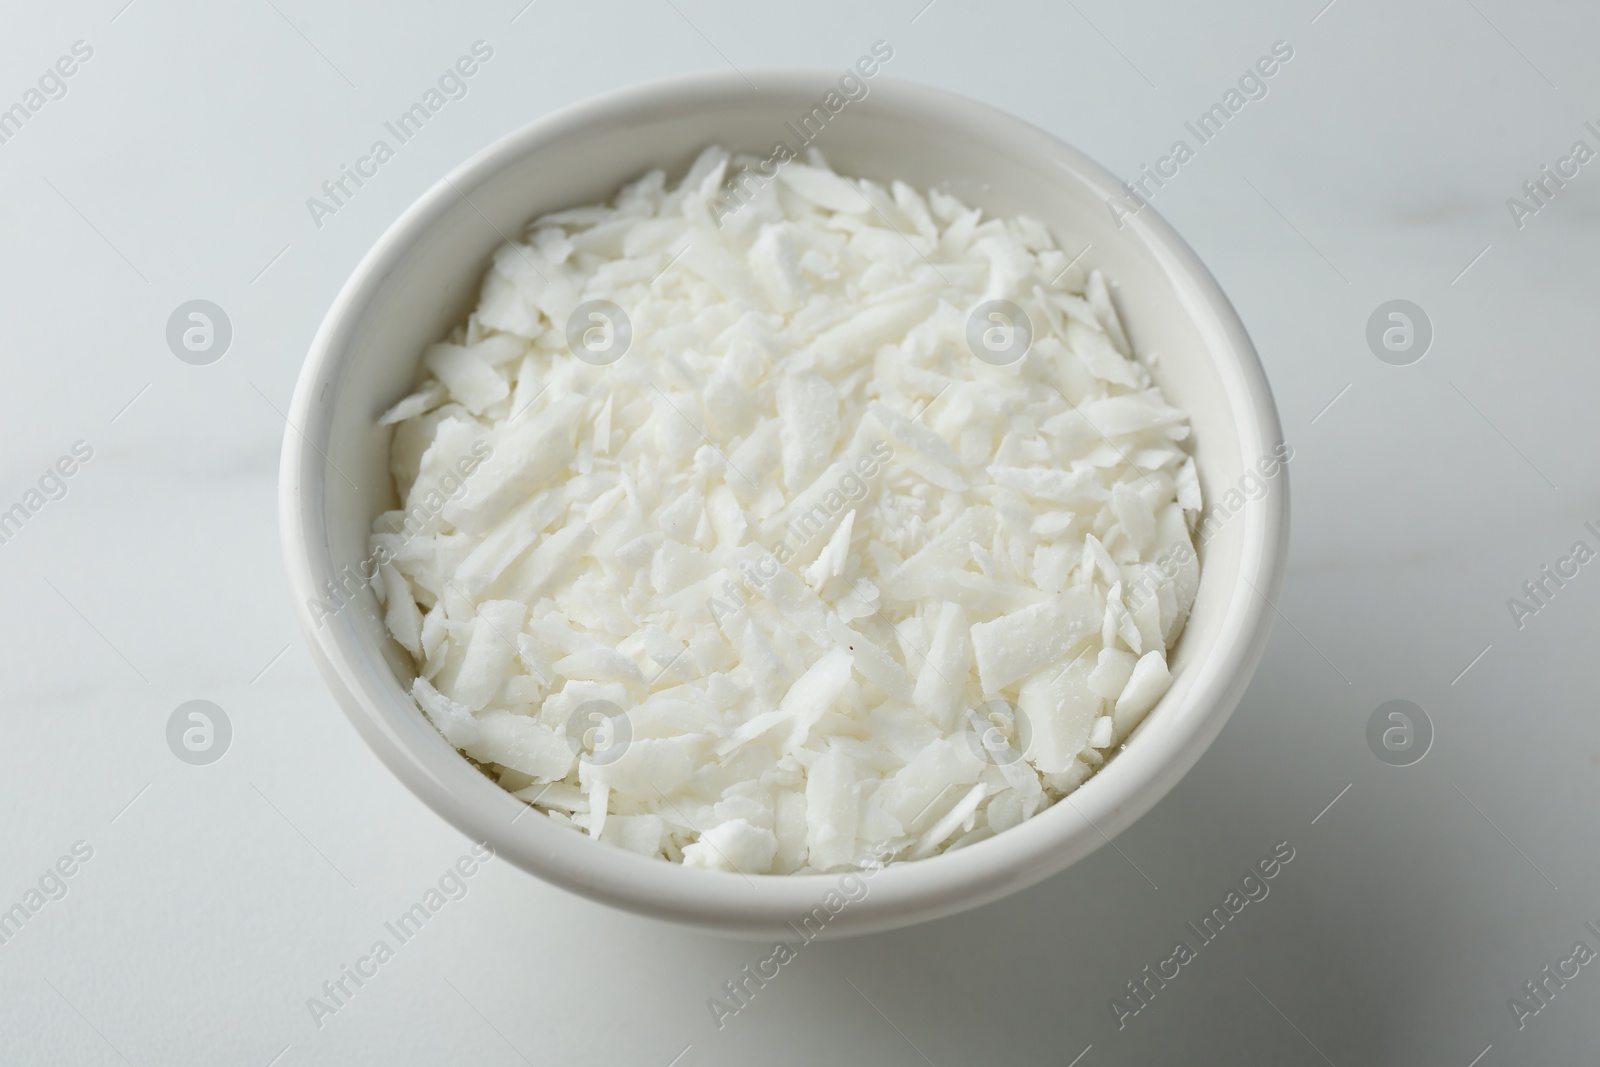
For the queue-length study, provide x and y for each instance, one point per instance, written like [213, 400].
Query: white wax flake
[523, 744]
[489, 652]
[1100, 733]
[875, 664]
[1080, 486]
[402, 617]
[945, 667]
[734, 845]
[636, 833]
[941, 830]
[1016, 645]
[491, 556]
[799, 543]
[802, 705]
[467, 375]
[809, 409]
[454, 721]
[832, 805]
[422, 401]
[1111, 672]
[1189, 486]
[830, 562]
[1061, 707]
[824, 188]
[912, 433]
[1146, 685]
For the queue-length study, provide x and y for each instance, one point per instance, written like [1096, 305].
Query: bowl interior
[423, 278]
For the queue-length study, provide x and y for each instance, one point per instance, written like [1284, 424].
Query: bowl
[422, 277]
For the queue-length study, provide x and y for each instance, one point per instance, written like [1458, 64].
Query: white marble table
[218, 899]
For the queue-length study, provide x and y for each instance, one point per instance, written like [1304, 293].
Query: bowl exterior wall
[422, 277]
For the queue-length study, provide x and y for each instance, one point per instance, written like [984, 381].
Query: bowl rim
[1110, 801]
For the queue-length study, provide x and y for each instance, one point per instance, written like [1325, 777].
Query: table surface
[216, 900]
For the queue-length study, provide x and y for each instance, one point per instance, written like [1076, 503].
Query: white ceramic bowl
[423, 276]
